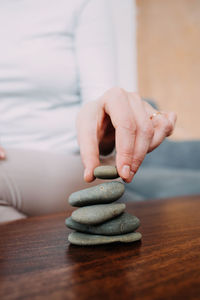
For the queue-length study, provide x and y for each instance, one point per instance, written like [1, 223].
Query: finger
[118, 108]
[172, 117]
[163, 127]
[144, 133]
[2, 153]
[88, 142]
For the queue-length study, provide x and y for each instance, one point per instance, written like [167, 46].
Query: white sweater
[54, 55]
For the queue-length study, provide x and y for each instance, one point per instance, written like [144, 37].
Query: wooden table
[37, 262]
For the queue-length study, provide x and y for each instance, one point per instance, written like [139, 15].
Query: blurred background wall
[168, 49]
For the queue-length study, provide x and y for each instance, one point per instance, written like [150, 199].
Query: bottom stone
[83, 239]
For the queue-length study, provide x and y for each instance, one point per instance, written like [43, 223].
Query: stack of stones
[98, 220]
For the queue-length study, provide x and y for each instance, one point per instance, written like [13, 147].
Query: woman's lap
[34, 182]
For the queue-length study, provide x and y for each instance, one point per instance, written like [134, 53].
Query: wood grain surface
[37, 262]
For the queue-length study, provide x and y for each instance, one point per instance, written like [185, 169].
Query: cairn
[98, 220]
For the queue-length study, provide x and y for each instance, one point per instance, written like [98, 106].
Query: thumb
[2, 153]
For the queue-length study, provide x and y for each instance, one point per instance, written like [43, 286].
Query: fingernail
[126, 172]
[87, 175]
[130, 177]
[2, 154]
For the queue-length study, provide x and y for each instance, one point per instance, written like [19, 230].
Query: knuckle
[116, 91]
[119, 92]
[114, 95]
[148, 130]
[126, 154]
[128, 125]
[137, 161]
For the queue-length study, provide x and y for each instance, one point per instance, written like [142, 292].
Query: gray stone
[103, 193]
[106, 172]
[120, 225]
[83, 239]
[96, 214]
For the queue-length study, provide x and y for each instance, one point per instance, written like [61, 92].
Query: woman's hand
[123, 120]
[2, 153]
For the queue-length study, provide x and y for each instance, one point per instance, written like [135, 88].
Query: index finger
[125, 130]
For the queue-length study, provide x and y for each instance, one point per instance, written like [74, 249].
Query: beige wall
[169, 59]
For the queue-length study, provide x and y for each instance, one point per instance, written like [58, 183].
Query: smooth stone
[96, 214]
[106, 172]
[100, 194]
[122, 224]
[83, 239]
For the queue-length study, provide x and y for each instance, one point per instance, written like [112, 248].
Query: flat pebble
[83, 239]
[103, 193]
[106, 172]
[119, 225]
[96, 214]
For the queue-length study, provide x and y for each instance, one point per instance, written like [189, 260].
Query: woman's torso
[39, 93]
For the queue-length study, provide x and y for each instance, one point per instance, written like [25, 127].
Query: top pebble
[106, 172]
